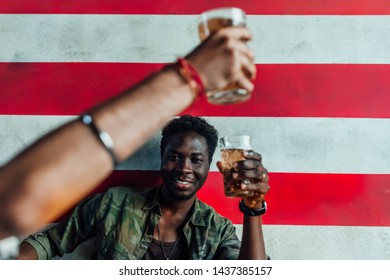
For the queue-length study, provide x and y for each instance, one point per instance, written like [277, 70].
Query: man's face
[185, 165]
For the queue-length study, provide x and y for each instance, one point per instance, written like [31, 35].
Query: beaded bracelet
[104, 138]
[192, 77]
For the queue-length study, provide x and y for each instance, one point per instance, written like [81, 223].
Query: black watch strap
[252, 212]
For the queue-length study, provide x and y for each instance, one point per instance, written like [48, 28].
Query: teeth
[183, 182]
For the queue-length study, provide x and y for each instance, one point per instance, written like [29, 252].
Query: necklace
[162, 246]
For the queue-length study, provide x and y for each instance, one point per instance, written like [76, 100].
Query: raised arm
[253, 205]
[62, 167]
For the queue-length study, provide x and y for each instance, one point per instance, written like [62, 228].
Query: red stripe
[294, 199]
[282, 90]
[266, 7]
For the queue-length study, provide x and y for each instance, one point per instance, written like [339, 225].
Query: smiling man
[165, 222]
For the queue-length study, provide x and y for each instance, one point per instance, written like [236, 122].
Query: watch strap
[252, 212]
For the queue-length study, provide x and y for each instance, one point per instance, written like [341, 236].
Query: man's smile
[183, 184]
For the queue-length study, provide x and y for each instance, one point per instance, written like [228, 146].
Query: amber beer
[212, 25]
[211, 21]
[232, 150]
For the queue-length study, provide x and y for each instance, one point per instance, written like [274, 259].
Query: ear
[219, 165]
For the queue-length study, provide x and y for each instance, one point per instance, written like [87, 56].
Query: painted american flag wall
[319, 114]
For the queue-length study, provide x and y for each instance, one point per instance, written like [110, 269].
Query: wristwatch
[252, 212]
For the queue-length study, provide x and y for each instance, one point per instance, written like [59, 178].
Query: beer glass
[209, 22]
[232, 150]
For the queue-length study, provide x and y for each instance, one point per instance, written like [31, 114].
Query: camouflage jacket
[123, 221]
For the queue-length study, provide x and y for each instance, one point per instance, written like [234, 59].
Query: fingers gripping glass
[232, 150]
[209, 22]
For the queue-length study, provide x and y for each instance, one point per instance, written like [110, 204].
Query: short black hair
[188, 123]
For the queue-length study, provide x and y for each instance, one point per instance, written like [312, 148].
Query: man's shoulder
[124, 190]
[122, 193]
[115, 199]
[211, 215]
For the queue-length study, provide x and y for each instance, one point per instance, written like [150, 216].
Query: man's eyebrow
[198, 154]
[192, 154]
[173, 151]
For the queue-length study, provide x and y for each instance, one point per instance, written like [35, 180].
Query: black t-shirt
[173, 250]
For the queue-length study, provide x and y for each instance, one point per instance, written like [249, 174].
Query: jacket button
[105, 250]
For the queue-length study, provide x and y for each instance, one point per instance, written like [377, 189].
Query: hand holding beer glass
[211, 21]
[242, 170]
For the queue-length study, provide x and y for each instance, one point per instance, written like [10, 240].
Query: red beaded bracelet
[191, 76]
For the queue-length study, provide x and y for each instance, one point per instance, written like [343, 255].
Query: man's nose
[185, 165]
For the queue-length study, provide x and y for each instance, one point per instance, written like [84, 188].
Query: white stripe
[301, 145]
[161, 38]
[326, 242]
[16, 132]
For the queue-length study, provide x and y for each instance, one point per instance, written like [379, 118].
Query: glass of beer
[232, 150]
[209, 22]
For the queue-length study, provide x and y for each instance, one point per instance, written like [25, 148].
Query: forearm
[136, 115]
[252, 244]
[69, 162]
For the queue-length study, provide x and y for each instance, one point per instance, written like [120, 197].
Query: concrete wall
[319, 114]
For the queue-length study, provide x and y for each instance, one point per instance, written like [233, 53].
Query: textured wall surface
[319, 114]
